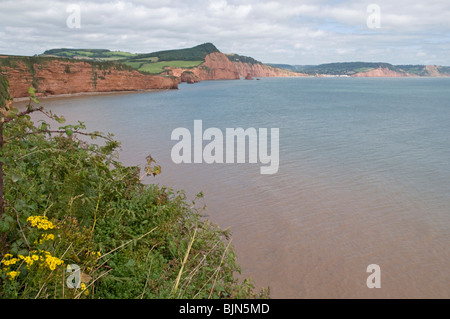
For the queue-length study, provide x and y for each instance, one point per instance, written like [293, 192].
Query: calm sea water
[364, 177]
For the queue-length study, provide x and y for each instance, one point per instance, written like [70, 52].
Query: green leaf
[59, 119]
[15, 178]
[69, 132]
[130, 263]
[44, 126]
[23, 252]
[4, 226]
[9, 219]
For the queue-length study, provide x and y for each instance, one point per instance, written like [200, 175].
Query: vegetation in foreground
[66, 201]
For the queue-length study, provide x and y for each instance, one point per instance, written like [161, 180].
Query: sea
[363, 178]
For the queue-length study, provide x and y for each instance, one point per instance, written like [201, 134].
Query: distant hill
[240, 58]
[198, 52]
[153, 63]
[353, 68]
[156, 62]
[289, 67]
[426, 70]
[89, 54]
[344, 68]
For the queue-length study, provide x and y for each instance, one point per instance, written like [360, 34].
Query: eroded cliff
[382, 72]
[58, 76]
[217, 66]
[262, 70]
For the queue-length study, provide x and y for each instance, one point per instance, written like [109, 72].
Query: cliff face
[217, 66]
[382, 72]
[432, 70]
[61, 77]
[262, 70]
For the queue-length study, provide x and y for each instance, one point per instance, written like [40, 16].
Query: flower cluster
[41, 222]
[45, 237]
[93, 253]
[44, 258]
[50, 261]
[29, 260]
[8, 261]
[83, 288]
[13, 274]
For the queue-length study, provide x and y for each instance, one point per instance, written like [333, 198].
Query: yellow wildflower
[9, 262]
[51, 262]
[13, 274]
[40, 222]
[83, 287]
[46, 237]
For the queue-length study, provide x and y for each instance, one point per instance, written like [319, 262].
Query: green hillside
[154, 63]
[196, 53]
[89, 54]
[183, 58]
[241, 58]
[347, 68]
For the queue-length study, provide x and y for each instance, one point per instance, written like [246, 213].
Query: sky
[298, 32]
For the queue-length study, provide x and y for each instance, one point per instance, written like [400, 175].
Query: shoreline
[70, 95]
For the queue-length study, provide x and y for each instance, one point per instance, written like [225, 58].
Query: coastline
[70, 95]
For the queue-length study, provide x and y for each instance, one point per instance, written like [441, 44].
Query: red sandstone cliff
[432, 70]
[62, 77]
[382, 72]
[217, 66]
[262, 70]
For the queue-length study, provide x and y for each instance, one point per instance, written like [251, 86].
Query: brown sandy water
[310, 238]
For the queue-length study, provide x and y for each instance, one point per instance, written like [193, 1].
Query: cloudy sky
[288, 31]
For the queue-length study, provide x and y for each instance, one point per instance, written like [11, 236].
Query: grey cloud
[288, 31]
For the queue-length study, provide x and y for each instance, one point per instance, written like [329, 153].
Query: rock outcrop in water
[58, 76]
[189, 77]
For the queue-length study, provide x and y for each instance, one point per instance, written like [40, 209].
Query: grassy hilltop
[153, 63]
